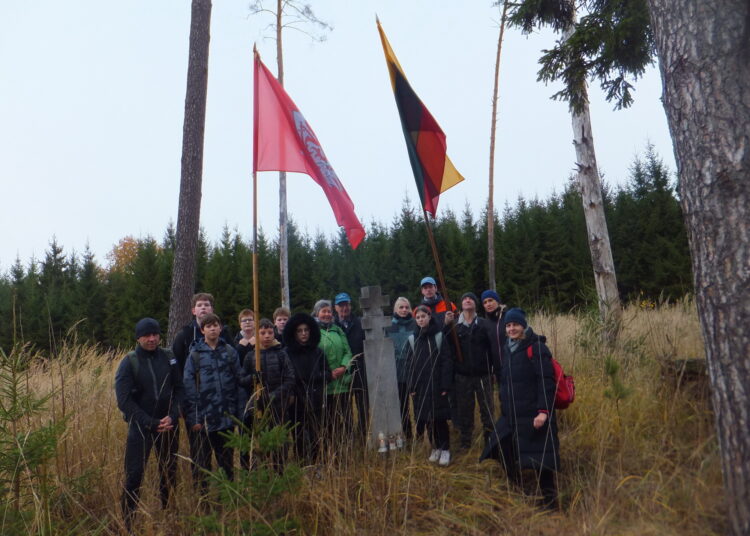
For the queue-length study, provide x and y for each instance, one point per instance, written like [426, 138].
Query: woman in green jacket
[338, 410]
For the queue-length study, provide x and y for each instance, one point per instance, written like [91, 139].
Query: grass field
[639, 454]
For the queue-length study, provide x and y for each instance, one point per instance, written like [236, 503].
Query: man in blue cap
[355, 335]
[441, 311]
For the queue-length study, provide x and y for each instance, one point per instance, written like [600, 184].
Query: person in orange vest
[442, 312]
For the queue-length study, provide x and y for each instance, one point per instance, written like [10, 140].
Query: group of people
[312, 374]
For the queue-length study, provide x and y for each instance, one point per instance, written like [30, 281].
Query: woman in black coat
[430, 375]
[301, 336]
[528, 429]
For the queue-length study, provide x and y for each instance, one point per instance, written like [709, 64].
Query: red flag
[283, 141]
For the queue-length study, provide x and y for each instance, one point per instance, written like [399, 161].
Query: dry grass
[646, 464]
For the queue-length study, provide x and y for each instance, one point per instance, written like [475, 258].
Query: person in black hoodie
[527, 430]
[430, 367]
[473, 373]
[149, 391]
[311, 372]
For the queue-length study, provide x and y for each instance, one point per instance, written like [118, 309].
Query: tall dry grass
[647, 463]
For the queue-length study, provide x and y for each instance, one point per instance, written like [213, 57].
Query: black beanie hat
[146, 326]
[516, 315]
[473, 297]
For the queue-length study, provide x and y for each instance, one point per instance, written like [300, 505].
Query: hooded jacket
[527, 386]
[400, 330]
[187, 336]
[430, 372]
[338, 354]
[276, 375]
[311, 370]
[212, 390]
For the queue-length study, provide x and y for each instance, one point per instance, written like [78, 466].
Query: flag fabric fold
[425, 141]
[284, 141]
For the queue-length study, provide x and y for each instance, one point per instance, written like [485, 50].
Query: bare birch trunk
[704, 57]
[493, 128]
[283, 228]
[596, 223]
[188, 212]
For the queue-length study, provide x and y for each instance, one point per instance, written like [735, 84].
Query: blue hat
[427, 281]
[516, 315]
[146, 326]
[490, 294]
[341, 297]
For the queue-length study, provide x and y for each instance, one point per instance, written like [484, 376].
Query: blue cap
[341, 297]
[490, 294]
[427, 281]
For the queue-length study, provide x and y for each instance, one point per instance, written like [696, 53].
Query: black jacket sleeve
[126, 387]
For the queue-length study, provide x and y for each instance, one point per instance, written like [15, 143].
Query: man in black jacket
[149, 391]
[473, 374]
[355, 335]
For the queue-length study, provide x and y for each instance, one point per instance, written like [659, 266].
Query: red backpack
[565, 386]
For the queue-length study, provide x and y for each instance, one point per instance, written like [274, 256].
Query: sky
[92, 102]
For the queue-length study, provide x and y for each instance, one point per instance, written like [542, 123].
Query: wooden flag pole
[256, 300]
[441, 280]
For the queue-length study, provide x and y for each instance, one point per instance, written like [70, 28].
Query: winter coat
[399, 331]
[212, 390]
[185, 339]
[494, 323]
[475, 348]
[430, 373]
[355, 336]
[527, 385]
[311, 370]
[276, 377]
[148, 387]
[338, 354]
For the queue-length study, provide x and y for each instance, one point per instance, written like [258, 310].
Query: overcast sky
[92, 99]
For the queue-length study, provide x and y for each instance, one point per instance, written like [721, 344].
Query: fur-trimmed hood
[296, 320]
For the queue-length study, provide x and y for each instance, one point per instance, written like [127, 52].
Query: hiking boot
[434, 455]
[445, 457]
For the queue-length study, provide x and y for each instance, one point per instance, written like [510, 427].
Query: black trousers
[469, 390]
[202, 445]
[307, 415]
[137, 450]
[359, 391]
[404, 399]
[438, 433]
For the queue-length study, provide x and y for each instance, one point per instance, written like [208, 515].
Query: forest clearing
[639, 454]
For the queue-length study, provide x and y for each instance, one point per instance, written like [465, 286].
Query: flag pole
[441, 280]
[256, 299]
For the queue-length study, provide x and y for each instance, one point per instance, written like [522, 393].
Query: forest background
[543, 263]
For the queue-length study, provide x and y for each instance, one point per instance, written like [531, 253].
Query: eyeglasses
[247, 321]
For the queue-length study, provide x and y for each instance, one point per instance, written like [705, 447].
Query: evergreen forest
[542, 259]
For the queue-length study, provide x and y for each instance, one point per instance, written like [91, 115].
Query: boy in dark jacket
[149, 391]
[212, 397]
[276, 373]
[473, 374]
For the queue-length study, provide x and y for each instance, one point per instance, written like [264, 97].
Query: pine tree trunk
[704, 57]
[596, 223]
[188, 212]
